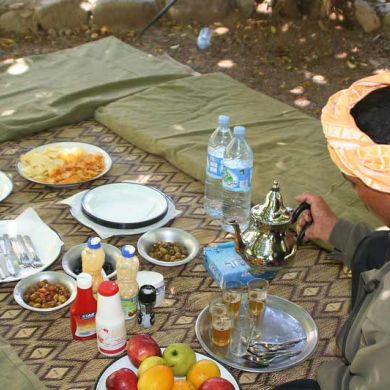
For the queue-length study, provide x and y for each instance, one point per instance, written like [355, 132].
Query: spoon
[265, 362]
[273, 347]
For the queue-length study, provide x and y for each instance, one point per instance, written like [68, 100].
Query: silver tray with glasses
[283, 321]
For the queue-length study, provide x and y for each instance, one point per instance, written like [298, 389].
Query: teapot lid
[272, 211]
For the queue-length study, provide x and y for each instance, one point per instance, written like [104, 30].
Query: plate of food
[5, 186]
[168, 247]
[64, 164]
[146, 366]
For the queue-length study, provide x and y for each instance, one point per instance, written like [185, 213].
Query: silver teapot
[269, 241]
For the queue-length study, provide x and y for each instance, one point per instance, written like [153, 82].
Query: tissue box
[224, 264]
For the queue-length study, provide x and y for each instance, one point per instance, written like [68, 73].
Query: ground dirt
[300, 62]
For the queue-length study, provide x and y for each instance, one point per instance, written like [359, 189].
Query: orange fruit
[182, 384]
[156, 378]
[201, 371]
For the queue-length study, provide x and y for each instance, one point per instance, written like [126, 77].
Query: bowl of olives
[71, 262]
[168, 247]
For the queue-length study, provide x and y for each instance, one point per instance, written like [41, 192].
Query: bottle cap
[128, 251]
[94, 243]
[223, 120]
[147, 294]
[239, 130]
[108, 288]
[84, 280]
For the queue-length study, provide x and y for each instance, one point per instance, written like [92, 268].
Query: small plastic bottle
[92, 261]
[127, 267]
[204, 38]
[83, 310]
[110, 320]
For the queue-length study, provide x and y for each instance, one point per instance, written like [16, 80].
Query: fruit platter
[146, 366]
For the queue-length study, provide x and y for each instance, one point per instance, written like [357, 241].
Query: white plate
[46, 241]
[89, 148]
[124, 205]
[5, 186]
[124, 362]
[105, 232]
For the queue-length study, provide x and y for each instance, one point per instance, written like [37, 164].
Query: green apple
[150, 362]
[180, 357]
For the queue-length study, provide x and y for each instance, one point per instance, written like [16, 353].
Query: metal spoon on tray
[266, 361]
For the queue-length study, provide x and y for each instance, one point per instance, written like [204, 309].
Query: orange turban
[351, 150]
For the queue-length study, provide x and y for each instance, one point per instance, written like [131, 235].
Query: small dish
[178, 236]
[51, 277]
[73, 256]
[6, 186]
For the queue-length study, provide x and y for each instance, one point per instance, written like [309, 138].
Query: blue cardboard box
[224, 264]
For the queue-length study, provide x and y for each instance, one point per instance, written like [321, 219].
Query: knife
[10, 261]
[28, 244]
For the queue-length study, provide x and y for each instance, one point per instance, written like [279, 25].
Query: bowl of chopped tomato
[46, 291]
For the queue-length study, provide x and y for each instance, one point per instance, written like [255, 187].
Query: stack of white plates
[122, 209]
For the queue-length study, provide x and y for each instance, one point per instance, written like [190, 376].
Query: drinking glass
[222, 320]
[242, 334]
[257, 296]
[231, 294]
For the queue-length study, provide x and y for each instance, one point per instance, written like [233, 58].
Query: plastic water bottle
[236, 181]
[204, 38]
[213, 183]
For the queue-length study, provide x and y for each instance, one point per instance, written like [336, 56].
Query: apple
[150, 362]
[141, 346]
[216, 384]
[180, 357]
[122, 379]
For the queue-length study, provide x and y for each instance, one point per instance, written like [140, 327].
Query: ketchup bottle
[83, 310]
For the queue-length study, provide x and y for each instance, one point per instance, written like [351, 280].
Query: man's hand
[320, 214]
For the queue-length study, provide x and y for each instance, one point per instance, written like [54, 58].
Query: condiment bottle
[147, 300]
[92, 261]
[83, 310]
[127, 266]
[110, 320]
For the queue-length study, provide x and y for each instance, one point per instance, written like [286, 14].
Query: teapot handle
[294, 218]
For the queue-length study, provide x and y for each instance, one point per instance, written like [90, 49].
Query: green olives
[168, 251]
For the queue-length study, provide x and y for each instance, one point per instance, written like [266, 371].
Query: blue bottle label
[237, 180]
[214, 166]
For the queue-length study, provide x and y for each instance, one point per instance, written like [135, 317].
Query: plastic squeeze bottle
[127, 266]
[110, 320]
[92, 261]
[83, 310]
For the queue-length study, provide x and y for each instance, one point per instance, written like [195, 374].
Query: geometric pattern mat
[44, 342]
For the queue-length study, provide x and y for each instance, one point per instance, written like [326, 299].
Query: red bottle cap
[108, 288]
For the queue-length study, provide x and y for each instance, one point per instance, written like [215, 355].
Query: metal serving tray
[283, 320]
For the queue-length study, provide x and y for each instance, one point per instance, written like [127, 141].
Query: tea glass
[232, 294]
[222, 322]
[242, 334]
[257, 296]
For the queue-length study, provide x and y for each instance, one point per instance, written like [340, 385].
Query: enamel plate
[5, 186]
[124, 362]
[89, 148]
[124, 205]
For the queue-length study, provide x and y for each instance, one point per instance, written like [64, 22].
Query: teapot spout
[239, 243]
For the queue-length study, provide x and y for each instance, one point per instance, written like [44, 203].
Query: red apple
[122, 379]
[141, 346]
[216, 384]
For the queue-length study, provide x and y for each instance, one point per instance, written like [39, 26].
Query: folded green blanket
[43, 91]
[175, 120]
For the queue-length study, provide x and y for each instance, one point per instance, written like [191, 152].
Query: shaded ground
[300, 63]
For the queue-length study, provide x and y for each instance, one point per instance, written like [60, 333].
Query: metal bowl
[73, 255]
[168, 235]
[51, 277]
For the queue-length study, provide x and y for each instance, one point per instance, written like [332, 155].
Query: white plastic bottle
[237, 181]
[110, 320]
[127, 266]
[92, 261]
[218, 141]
